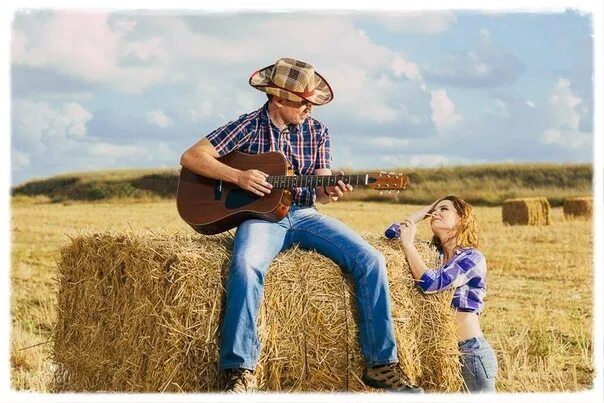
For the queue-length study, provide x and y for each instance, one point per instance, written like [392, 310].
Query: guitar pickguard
[237, 198]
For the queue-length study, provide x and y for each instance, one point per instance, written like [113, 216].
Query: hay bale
[526, 211]
[142, 312]
[578, 207]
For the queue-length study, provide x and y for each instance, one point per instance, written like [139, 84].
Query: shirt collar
[264, 119]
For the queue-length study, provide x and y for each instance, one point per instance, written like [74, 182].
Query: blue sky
[94, 90]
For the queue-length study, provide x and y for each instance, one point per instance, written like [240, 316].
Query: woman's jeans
[478, 364]
[257, 242]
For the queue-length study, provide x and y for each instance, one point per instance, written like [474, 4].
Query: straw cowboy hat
[293, 80]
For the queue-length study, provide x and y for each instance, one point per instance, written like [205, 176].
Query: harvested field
[538, 316]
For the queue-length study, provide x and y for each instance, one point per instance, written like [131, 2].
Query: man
[284, 124]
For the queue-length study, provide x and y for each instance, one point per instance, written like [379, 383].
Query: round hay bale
[141, 312]
[578, 207]
[526, 211]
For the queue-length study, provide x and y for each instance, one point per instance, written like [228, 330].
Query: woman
[461, 267]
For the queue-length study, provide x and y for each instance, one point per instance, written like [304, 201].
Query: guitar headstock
[387, 181]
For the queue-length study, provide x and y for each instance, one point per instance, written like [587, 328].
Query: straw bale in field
[527, 211]
[578, 207]
[142, 312]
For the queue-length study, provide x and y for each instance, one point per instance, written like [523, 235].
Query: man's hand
[334, 193]
[254, 181]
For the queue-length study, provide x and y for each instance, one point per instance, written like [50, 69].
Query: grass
[538, 308]
[486, 185]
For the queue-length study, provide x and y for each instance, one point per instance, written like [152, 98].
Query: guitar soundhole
[237, 198]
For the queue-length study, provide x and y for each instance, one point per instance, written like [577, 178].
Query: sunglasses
[296, 104]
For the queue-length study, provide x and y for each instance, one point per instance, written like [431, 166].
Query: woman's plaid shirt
[306, 146]
[466, 272]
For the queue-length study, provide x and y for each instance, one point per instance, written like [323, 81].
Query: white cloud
[79, 43]
[428, 160]
[31, 119]
[563, 106]
[131, 54]
[159, 118]
[418, 22]
[20, 160]
[388, 142]
[487, 64]
[164, 152]
[566, 138]
[378, 112]
[115, 151]
[443, 111]
[401, 67]
[70, 121]
[202, 110]
[565, 111]
[85, 46]
[502, 107]
[530, 104]
[40, 122]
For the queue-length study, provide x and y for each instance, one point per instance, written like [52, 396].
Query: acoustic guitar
[212, 206]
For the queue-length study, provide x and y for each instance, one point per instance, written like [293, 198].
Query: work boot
[390, 377]
[241, 380]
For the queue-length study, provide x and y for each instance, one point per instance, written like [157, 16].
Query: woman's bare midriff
[468, 325]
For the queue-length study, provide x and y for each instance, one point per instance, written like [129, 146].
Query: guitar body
[211, 206]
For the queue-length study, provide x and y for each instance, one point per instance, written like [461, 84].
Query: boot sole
[373, 383]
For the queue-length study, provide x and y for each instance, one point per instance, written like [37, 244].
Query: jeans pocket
[488, 365]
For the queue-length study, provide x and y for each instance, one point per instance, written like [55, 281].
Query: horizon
[408, 170]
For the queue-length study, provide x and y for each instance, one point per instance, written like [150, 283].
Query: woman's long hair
[466, 230]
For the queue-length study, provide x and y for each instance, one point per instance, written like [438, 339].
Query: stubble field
[539, 305]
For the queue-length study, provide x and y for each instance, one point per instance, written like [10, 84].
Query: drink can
[392, 231]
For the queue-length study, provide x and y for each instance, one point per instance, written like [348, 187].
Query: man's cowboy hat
[293, 80]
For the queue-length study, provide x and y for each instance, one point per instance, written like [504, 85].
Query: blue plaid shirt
[466, 271]
[306, 146]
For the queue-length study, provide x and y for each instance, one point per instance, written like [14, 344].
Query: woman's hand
[407, 232]
[430, 208]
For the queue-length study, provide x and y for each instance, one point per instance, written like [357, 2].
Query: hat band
[303, 94]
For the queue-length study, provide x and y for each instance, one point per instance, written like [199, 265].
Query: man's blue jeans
[257, 242]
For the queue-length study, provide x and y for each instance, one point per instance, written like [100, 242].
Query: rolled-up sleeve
[454, 274]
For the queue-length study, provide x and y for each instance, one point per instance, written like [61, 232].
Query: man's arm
[201, 158]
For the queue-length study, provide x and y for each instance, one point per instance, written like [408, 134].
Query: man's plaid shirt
[466, 271]
[305, 146]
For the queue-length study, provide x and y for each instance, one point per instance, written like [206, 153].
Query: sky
[95, 90]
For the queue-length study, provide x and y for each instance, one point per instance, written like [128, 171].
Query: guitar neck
[313, 181]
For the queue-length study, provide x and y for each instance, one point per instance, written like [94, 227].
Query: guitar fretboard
[312, 181]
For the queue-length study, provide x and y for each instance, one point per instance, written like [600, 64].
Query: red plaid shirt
[305, 146]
